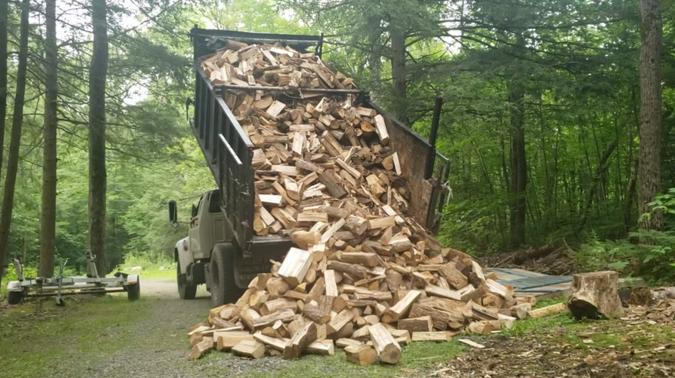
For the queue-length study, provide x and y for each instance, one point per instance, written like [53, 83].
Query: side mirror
[173, 212]
[194, 211]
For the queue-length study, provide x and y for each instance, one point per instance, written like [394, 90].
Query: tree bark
[3, 75]
[48, 213]
[603, 166]
[97, 123]
[595, 295]
[518, 182]
[15, 138]
[375, 56]
[649, 172]
[398, 73]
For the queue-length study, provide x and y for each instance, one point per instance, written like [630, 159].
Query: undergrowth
[646, 253]
[158, 266]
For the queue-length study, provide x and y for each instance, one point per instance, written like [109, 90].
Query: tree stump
[595, 295]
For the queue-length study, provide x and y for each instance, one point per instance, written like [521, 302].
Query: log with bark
[595, 295]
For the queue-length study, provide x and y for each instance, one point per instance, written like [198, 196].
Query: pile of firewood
[268, 65]
[365, 277]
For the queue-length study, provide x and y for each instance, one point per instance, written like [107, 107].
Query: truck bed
[228, 149]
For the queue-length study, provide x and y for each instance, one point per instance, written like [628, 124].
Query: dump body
[228, 149]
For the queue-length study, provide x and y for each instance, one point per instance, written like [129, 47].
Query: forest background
[541, 119]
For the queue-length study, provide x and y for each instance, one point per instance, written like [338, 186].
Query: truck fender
[183, 255]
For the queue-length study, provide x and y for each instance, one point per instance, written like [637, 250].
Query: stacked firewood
[364, 276]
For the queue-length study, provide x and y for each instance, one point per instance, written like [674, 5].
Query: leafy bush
[648, 253]
[473, 226]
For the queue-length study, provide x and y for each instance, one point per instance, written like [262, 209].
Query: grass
[414, 357]
[590, 334]
[35, 340]
[88, 331]
[77, 339]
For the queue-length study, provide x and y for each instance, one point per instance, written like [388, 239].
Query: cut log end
[595, 295]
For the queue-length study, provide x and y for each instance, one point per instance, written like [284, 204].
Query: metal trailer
[228, 152]
[61, 286]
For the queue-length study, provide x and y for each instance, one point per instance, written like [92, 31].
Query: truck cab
[193, 253]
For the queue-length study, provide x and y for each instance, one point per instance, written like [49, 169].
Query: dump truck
[221, 249]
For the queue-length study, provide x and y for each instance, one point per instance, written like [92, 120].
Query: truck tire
[14, 297]
[186, 288]
[223, 288]
[134, 291]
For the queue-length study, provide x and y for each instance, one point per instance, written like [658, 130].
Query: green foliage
[664, 204]
[471, 226]
[647, 253]
[148, 266]
[650, 254]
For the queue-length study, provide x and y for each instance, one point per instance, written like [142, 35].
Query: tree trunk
[518, 172]
[15, 138]
[375, 56]
[48, 213]
[603, 166]
[398, 74]
[97, 171]
[649, 172]
[595, 295]
[3, 75]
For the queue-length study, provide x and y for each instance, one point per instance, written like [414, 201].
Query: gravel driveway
[111, 337]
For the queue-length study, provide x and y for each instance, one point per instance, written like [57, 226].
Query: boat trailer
[61, 286]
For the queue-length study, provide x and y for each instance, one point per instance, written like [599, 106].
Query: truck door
[193, 232]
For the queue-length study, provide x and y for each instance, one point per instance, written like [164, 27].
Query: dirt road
[111, 337]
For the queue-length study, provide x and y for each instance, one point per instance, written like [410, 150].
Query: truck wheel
[134, 291]
[186, 288]
[223, 288]
[14, 297]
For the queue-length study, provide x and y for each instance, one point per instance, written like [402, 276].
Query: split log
[226, 340]
[381, 128]
[300, 340]
[432, 336]
[340, 320]
[387, 348]
[201, 348]
[305, 239]
[471, 343]
[362, 258]
[295, 265]
[363, 355]
[272, 342]
[331, 285]
[402, 307]
[322, 347]
[421, 324]
[344, 342]
[249, 348]
[355, 271]
[548, 310]
[520, 310]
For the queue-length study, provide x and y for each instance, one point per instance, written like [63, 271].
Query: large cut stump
[595, 295]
